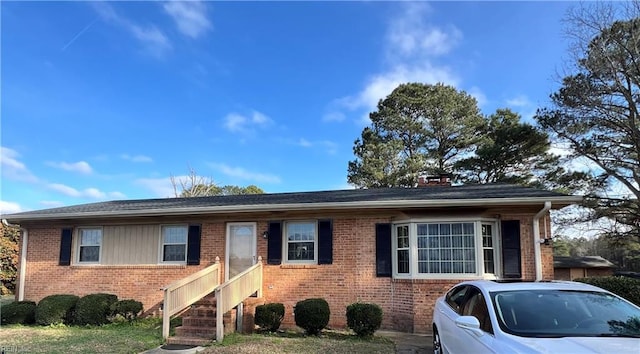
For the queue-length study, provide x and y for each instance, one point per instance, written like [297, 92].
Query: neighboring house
[400, 248]
[569, 268]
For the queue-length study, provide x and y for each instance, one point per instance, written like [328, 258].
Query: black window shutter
[383, 250]
[511, 256]
[325, 242]
[65, 247]
[274, 243]
[193, 245]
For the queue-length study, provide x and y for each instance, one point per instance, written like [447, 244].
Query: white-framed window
[488, 248]
[445, 249]
[89, 245]
[174, 243]
[301, 242]
[402, 249]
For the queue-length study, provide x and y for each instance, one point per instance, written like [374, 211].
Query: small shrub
[625, 287]
[94, 309]
[128, 309]
[56, 309]
[364, 319]
[23, 312]
[312, 315]
[269, 316]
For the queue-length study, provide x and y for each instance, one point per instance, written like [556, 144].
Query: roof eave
[559, 201]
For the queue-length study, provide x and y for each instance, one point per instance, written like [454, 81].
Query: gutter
[23, 258]
[537, 241]
[294, 206]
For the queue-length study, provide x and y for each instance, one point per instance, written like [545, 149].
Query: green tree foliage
[507, 151]
[595, 114]
[9, 251]
[417, 129]
[194, 185]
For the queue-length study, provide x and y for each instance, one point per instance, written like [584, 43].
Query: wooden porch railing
[233, 292]
[185, 292]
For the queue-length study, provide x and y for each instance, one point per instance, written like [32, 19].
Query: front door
[241, 248]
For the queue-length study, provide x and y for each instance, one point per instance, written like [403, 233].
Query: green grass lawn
[113, 338]
[295, 342]
[146, 334]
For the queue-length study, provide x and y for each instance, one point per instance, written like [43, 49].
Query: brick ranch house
[400, 248]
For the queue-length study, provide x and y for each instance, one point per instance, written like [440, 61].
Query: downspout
[23, 258]
[537, 241]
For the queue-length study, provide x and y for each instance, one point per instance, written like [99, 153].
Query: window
[446, 248]
[476, 306]
[174, 243]
[487, 248]
[300, 242]
[402, 242]
[89, 245]
[455, 297]
[439, 249]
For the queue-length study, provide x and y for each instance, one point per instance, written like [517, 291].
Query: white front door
[241, 248]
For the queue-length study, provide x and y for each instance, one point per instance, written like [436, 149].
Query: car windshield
[562, 313]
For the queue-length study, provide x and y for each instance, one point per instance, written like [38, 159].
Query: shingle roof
[581, 262]
[352, 198]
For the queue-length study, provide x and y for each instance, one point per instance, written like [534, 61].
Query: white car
[534, 317]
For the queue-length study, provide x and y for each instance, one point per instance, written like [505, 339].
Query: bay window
[436, 249]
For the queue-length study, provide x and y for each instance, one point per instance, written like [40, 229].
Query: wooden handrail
[234, 291]
[185, 292]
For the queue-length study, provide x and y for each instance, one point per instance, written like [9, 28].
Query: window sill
[298, 266]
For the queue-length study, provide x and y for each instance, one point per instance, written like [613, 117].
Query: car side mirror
[470, 324]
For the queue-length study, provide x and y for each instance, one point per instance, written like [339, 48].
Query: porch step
[198, 341]
[195, 331]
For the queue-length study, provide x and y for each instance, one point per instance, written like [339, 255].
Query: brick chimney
[443, 179]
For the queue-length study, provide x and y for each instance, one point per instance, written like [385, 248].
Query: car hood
[586, 345]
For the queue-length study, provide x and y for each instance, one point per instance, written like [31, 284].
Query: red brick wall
[407, 304]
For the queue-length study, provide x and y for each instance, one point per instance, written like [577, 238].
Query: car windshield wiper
[623, 335]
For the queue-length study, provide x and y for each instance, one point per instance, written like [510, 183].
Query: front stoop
[199, 324]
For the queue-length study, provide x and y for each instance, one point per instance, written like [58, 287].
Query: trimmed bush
[23, 312]
[128, 309]
[56, 309]
[269, 316]
[625, 287]
[94, 309]
[312, 315]
[364, 319]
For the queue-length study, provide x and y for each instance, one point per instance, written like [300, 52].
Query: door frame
[254, 247]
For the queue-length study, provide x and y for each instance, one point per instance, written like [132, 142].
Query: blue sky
[107, 100]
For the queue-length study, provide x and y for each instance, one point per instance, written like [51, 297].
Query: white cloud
[80, 166]
[410, 46]
[519, 101]
[329, 146]
[14, 169]
[241, 173]
[409, 35]
[92, 193]
[51, 203]
[478, 95]
[9, 207]
[333, 116]
[190, 17]
[161, 187]
[304, 143]
[246, 124]
[136, 158]
[153, 39]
